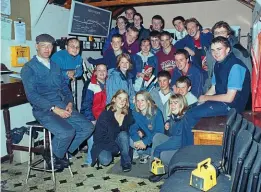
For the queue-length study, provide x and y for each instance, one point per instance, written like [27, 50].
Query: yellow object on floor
[157, 168]
[205, 176]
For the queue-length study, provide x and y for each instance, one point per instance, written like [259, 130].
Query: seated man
[196, 75]
[69, 60]
[52, 102]
[223, 29]
[230, 85]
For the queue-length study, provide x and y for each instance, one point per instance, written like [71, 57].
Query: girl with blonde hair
[111, 134]
[148, 121]
[178, 134]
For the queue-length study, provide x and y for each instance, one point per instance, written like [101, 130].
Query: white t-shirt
[191, 99]
[45, 62]
[164, 98]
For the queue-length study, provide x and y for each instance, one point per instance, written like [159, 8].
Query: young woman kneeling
[111, 134]
[148, 122]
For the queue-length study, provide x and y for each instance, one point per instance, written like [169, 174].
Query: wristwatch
[52, 108]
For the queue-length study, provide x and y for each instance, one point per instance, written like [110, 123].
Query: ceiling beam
[128, 2]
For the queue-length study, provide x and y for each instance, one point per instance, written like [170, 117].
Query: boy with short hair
[94, 101]
[111, 54]
[166, 54]
[183, 87]
[155, 41]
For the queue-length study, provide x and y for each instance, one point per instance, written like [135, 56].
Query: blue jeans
[88, 157]
[207, 109]
[123, 142]
[68, 133]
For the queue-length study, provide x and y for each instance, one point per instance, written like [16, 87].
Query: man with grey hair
[52, 102]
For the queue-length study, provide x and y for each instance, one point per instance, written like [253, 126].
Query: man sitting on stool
[52, 102]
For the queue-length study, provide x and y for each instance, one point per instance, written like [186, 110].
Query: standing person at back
[157, 23]
[166, 54]
[110, 56]
[129, 14]
[69, 60]
[138, 21]
[180, 30]
[155, 42]
[94, 101]
[161, 94]
[196, 42]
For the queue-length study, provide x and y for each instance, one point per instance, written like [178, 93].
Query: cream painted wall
[207, 13]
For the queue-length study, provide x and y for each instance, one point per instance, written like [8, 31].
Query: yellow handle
[206, 161]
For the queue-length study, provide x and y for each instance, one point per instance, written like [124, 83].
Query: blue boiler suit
[45, 88]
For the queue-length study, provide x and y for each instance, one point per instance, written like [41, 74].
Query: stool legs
[30, 154]
[70, 170]
[47, 143]
[51, 154]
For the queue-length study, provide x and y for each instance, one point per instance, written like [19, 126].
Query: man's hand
[69, 107]
[71, 74]
[61, 112]
[191, 53]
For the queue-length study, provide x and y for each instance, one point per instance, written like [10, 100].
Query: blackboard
[87, 20]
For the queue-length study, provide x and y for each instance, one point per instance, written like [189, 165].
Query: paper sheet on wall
[6, 7]
[20, 34]
[6, 28]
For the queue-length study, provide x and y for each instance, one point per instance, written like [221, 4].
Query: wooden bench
[209, 131]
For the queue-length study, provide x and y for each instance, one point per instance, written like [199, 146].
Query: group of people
[145, 94]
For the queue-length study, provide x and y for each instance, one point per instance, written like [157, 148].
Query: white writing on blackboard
[93, 11]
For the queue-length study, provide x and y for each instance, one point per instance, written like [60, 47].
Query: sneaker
[126, 168]
[144, 159]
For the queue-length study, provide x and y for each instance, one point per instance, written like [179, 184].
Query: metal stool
[47, 140]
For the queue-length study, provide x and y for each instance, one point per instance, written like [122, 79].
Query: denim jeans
[68, 133]
[123, 142]
[207, 109]
[88, 157]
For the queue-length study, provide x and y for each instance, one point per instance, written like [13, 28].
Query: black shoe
[57, 163]
[66, 162]
[155, 178]
[126, 168]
